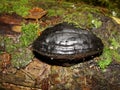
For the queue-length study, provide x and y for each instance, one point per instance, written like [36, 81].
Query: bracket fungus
[12, 19]
[36, 13]
[10, 23]
[64, 44]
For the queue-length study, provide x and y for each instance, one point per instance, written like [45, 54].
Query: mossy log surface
[87, 75]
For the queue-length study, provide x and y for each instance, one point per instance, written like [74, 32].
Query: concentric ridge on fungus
[64, 42]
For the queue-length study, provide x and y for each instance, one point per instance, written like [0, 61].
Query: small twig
[28, 74]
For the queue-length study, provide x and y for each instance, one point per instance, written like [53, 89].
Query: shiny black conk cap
[65, 44]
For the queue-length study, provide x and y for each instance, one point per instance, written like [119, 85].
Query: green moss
[96, 23]
[110, 53]
[29, 33]
[55, 12]
[21, 58]
[114, 43]
[106, 58]
[9, 45]
[5, 7]
[115, 47]
[20, 53]
[51, 12]
[83, 19]
[116, 55]
[21, 7]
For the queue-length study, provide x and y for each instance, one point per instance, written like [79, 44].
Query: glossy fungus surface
[66, 42]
